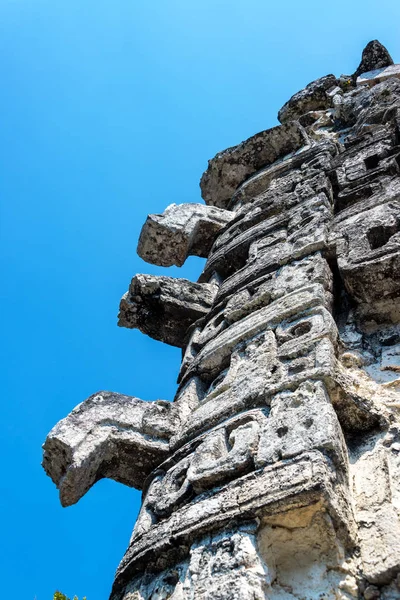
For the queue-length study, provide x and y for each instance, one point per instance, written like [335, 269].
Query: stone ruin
[275, 472]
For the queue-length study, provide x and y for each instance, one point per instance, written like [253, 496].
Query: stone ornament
[275, 472]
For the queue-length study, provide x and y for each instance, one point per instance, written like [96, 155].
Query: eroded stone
[228, 169]
[275, 472]
[181, 230]
[163, 307]
[315, 96]
[374, 56]
[108, 435]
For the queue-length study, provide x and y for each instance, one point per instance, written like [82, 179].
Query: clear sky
[109, 111]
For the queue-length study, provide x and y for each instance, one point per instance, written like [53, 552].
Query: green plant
[60, 596]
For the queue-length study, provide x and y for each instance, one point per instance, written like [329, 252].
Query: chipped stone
[315, 96]
[275, 472]
[228, 169]
[180, 231]
[378, 75]
[164, 307]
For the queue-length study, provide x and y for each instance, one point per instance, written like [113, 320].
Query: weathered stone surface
[291, 176]
[378, 75]
[367, 106]
[275, 241]
[376, 474]
[181, 230]
[108, 435]
[368, 251]
[218, 349]
[300, 421]
[228, 169]
[225, 565]
[164, 307]
[304, 555]
[315, 96]
[374, 56]
[297, 482]
[275, 473]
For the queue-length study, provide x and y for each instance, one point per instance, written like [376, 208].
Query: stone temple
[275, 472]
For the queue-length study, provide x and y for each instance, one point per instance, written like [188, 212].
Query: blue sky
[109, 111]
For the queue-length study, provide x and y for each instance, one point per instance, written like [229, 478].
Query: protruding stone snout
[182, 230]
[109, 435]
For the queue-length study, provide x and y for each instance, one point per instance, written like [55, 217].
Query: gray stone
[315, 96]
[378, 75]
[108, 435]
[297, 482]
[163, 307]
[228, 169]
[180, 231]
[374, 56]
[275, 472]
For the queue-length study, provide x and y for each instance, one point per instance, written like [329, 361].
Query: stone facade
[275, 473]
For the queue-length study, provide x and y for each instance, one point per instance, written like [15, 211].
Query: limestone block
[298, 482]
[282, 196]
[296, 550]
[228, 169]
[228, 566]
[258, 370]
[365, 163]
[168, 492]
[283, 176]
[236, 388]
[286, 236]
[378, 75]
[367, 106]
[213, 458]
[224, 454]
[368, 251]
[272, 285]
[371, 186]
[314, 96]
[164, 307]
[180, 231]
[304, 555]
[353, 200]
[377, 518]
[300, 421]
[224, 565]
[216, 352]
[108, 435]
[371, 170]
[374, 56]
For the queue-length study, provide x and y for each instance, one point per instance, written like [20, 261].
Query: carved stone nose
[108, 435]
[274, 473]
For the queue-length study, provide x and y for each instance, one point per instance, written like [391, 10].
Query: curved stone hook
[108, 435]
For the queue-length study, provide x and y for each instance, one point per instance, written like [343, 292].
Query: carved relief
[275, 472]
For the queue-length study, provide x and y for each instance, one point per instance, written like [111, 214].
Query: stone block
[288, 235]
[374, 480]
[300, 421]
[314, 96]
[216, 352]
[228, 169]
[180, 231]
[108, 435]
[371, 78]
[368, 251]
[164, 307]
[287, 484]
